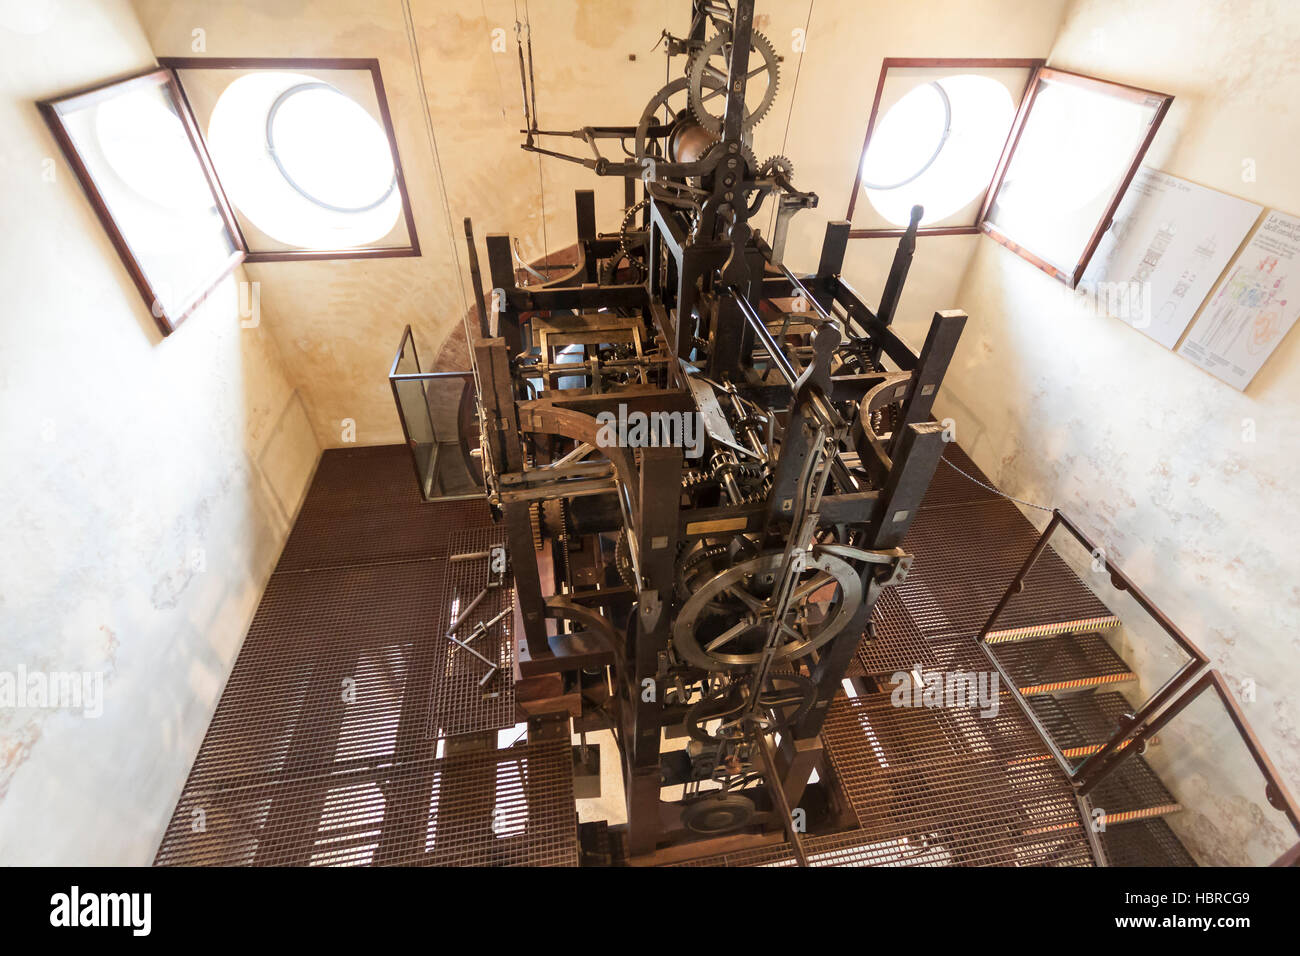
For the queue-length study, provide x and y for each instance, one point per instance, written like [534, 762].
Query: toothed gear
[773, 164]
[746, 155]
[718, 47]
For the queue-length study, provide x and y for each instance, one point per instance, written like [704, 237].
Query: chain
[1019, 501]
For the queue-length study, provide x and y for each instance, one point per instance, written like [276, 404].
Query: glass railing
[1167, 769]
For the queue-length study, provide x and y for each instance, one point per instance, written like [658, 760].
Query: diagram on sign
[1254, 306]
[1168, 243]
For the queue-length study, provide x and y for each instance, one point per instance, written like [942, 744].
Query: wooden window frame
[975, 63]
[1071, 274]
[53, 110]
[412, 248]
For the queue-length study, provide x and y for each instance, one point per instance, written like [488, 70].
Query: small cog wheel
[776, 164]
[701, 72]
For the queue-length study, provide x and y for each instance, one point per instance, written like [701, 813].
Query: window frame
[938, 63]
[53, 110]
[1069, 273]
[1119, 90]
[175, 64]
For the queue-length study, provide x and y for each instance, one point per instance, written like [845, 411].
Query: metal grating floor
[511, 807]
[319, 751]
[1132, 792]
[952, 784]
[460, 705]
[1148, 842]
[896, 644]
[949, 488]
[323, 750]
[964, 560]
[1080, 723]
[364, 507]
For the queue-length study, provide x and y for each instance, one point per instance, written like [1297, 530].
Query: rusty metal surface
[511, 807]
[364, 507]
[948, 787]
[896, 644]
[949, 488]
[1132, 792]
[1080, 723]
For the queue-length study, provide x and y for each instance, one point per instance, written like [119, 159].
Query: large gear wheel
[702, 73]
[650, 116]
[724, 623]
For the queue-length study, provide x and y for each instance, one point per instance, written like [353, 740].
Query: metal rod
[778, 797]
[476, 277]
[469, 556]
[460, 618]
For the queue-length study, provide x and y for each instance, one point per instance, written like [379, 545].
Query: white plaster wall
[147, 483]
[1148, 453]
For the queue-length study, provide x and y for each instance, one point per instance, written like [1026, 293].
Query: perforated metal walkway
[323, 749]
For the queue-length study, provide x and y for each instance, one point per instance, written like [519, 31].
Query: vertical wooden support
[834, 245]
[505, 294]
[917, 456]
[585, 201]
[932, 365]
[660, 491]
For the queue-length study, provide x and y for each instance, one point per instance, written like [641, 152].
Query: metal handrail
[1099, 764]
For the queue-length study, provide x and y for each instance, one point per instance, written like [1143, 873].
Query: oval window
[305, 163]
[937, 147]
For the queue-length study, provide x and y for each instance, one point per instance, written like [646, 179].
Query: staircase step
[1079, 724]
[1066, 662]
[1148, 842]
[966, 557]
[1132, 792]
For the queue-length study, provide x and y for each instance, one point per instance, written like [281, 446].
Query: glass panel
[431, 405]
[1220, 815]
[1084, 652]
[419, 428]
[1076, 147]
[141, 160]
[452, 477]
